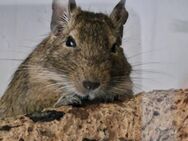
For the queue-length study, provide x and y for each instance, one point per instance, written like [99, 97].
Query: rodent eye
[114, 48]
[70, 42]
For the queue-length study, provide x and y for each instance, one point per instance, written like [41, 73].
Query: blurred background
[155, 38]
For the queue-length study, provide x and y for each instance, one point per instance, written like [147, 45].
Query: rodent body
[80, 59]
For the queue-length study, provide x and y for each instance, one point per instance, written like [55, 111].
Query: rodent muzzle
[91, 85]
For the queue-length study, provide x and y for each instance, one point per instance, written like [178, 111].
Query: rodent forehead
[93, 34]
[93, 29]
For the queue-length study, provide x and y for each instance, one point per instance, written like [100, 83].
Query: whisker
[137, 87]
[9, 59]
[128, 39]
[141, 71]
[151, 80]
[65, 87]
[139, 54]
[54, 84]
[147, 63]
[13, 51]
[141, 78]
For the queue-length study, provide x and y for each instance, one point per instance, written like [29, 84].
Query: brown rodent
[80, 59]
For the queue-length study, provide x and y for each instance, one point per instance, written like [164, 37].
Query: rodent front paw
[68, 100]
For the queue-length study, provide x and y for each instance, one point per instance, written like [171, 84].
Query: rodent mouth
[87, 95]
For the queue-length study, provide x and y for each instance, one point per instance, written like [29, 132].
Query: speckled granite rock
[153, 116]
[165, 116]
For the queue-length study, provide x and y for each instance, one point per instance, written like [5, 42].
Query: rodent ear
[61, 13]
[72, 6]
[119, 16]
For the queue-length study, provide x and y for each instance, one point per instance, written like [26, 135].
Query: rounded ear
[61, 12]
[119, 15]
[59, 9]
[72, 6]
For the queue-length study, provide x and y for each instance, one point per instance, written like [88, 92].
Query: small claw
[76, 100]
[61, 101]
[67, 100]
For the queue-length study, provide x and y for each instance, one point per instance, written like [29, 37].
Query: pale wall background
[155, 41]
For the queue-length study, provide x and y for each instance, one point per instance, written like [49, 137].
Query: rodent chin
[88, 95]
[92, 97]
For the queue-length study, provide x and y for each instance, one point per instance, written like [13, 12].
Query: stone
[157, 115]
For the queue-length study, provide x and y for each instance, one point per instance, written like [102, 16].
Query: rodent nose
[91, 85]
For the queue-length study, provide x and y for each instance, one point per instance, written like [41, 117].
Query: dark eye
[70, 42]
[114, 48]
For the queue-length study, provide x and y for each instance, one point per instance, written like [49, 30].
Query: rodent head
[86, 51]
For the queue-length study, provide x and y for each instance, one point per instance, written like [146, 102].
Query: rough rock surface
[153, 116]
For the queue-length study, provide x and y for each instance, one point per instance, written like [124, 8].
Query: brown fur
[53, 73]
